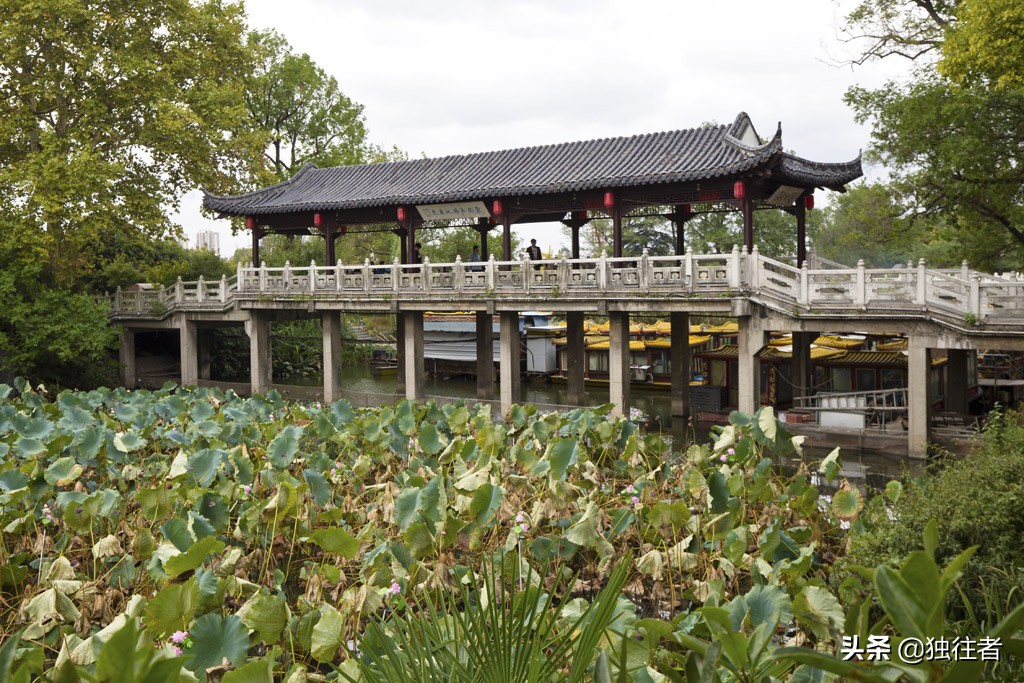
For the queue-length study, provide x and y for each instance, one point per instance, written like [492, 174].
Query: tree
[109, 113]
[955, 149]
[986, 45]
[307, 117]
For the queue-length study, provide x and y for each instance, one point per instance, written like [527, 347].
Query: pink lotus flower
[179, 637]
[395, 588]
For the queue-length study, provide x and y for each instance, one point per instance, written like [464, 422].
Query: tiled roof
[804, 172]
[690, 155]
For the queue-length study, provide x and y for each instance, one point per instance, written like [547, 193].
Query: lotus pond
[196, 535]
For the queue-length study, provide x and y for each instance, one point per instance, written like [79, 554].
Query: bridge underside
[954, 311]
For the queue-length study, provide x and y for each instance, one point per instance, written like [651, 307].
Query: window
[597, 361]
[661, 364]
[893, 379]
[866, 379]
[841, 380]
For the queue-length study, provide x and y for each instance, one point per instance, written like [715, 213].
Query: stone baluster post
[645, 270]
[396, 274]
[689, 275]
[264, 278]
[312, 276]
[860, 286]
[754, 269]
[490, 273]
[425, 270]
[734, 267]
[922, 283]
[805, 277]
[223, 289]
[459, 276]
[287, 275]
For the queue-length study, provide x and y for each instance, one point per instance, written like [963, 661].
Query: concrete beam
[510, 360]
[415, 382]
[618, 363]
[751, 339]
[331, 324]
[574, 358]
[680, 358]
[260, 354]
[127, 358]
[918, 404]
[484, 351]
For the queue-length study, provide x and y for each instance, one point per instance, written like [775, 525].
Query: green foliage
[497, 633]
[984, 44]
[307, 117]
[278, 533]
[951, 141]
[975, 501]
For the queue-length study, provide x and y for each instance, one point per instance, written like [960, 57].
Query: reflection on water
[870, 469]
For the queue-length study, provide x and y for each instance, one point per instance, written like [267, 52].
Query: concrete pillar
[205, 360]
[680, 358]
[957, 381]
[127, 357]
[189, 344]
[574, 357]
[260, 354]
[331, 324]
[918, 371]
[415, 386]
[618, 363]
[800, 366]
[484, 351]
[400, 352]
[511, 365]
[751, 340]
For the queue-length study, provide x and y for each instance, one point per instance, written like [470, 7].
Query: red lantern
[318, 219]
[497, 208]
[342, 229]
[609, 199]
[809, 201]
[250, 222]
[687, 210]
[739, 189]
[580, 216]
[401, 214]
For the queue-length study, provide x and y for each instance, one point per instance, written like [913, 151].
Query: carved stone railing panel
[950, 292]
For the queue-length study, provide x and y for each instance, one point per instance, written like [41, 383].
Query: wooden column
[415, 385]
[576, 241]
[189, 349]
[801, 232]
[483, 227]
[256, 235]
[751, 340]
[331, 323]
[800, 365]
[329, 235]
[618, 363]
[680, 215]
[260, 353]
[616, 216]
[680, 358]
[484, 351]
[511, 364]
[747, 206]
[127, 358]
[506, 235]
[918, 403]
[574, 356]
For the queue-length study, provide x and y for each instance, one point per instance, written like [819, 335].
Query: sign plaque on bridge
[435, 212]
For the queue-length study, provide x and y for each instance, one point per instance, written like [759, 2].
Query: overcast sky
[462, 76]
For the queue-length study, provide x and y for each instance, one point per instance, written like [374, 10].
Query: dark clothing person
[533, 251]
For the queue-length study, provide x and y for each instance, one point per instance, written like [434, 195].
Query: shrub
[976, 500]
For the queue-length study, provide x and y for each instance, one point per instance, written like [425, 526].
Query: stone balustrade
[963, 294]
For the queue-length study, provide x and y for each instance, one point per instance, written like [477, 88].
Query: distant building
[208, 239]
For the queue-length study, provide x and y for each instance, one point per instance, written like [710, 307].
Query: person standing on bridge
[534, 253]
[475, 258]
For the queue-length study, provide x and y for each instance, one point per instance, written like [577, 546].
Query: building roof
[696, 154]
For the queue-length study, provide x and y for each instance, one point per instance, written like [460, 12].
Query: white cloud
[462, 76]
